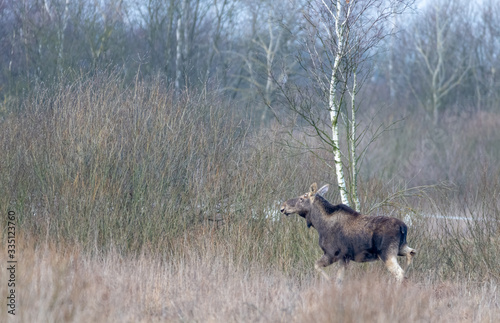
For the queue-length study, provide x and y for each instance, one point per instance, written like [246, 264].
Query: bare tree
[441, 61]
[342, 36]
[265, 54]
[157, 21]
[487, 55]
[218, 32]
[58, 15]
[181, 49]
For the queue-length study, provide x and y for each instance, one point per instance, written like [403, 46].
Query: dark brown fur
[346, 235]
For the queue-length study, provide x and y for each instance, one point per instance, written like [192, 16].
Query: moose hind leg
[392, 265]
[323, 262]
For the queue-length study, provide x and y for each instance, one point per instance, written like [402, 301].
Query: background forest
[146, 147]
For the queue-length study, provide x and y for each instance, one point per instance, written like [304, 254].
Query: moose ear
[314, 188]
[323, 189]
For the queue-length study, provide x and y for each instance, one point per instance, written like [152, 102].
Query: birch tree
[342, 37]
[181, 43]
[190, 17]
[57, 13]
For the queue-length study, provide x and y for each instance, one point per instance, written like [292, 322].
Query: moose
[346, 235]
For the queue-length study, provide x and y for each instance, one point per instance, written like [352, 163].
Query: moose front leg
[324, 261]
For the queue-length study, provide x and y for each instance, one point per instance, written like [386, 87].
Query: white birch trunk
[61, 32]
[178, 58]
[354, 162]
[334, 106]
[180, 37]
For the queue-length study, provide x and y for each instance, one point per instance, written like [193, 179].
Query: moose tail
[404, 231]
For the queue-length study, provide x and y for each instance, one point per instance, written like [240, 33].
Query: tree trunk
[61, 32]
[181, 46]
[335, 108]
[352, 139]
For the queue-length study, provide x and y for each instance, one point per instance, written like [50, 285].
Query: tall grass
[69, 285]
[102, 165]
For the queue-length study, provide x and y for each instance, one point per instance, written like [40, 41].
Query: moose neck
[323, 214]
[323, 206]
[319, 210]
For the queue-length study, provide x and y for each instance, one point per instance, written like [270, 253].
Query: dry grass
[66, 285]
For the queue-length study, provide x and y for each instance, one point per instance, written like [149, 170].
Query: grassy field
[134, 204]
[210, 282]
